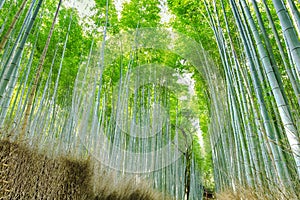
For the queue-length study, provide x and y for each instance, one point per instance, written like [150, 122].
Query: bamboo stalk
[38, 74]
[12, 25]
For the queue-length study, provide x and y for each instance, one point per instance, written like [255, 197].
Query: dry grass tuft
[231, 195]
[112, 186]
[242, 193]
[127, 190]
[27, 174]
[77, 178]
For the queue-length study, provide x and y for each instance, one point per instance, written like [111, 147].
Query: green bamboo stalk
[258, 68]
[2, 3]
[12, 25]
[295, 13]
[234, 169]
[38, 74]
[271, 54]
[288, 30]
[53, 99]
[292, 78]
[24, 78]
[42, 116]
[7, 99]
[278, 92]
[7, 71]
[237, 122]
[243, 102]
[258, 91]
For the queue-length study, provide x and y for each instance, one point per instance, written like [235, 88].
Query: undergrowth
[275, 193]
[26, 174]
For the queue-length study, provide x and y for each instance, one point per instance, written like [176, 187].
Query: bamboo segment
[12, 25]
[38, 74]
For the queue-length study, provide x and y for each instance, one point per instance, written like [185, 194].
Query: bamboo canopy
[188, 95]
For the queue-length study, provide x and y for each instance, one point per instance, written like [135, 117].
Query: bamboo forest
[150, 99]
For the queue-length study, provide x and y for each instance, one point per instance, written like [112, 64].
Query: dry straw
[242, 193]
[27, 174]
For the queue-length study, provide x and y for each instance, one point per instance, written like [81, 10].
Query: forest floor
[26, 173]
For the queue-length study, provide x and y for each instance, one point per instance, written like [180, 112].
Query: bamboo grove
[170, 91]
[260, 60]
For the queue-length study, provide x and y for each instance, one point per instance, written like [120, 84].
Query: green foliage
[76, 50]
[105, 10]
[191, 19]
[7, 13]
[140, 13]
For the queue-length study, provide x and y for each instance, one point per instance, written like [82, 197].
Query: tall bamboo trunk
[277, 90]
[38, 74]
[289, 32]
[12, 25]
